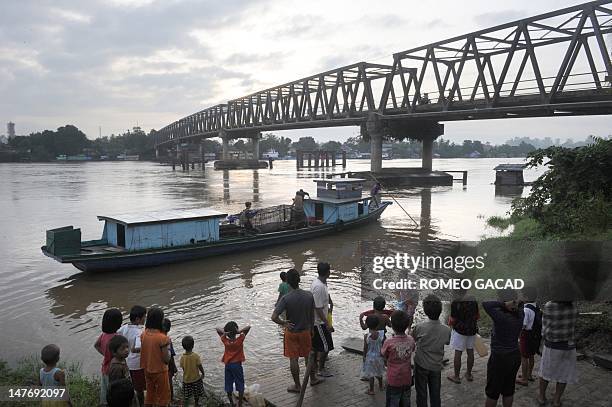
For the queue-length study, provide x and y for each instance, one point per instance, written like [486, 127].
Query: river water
[42, 301]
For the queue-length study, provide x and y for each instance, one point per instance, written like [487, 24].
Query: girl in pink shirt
[111, 322]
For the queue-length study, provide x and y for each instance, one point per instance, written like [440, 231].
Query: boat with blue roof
[134, 240]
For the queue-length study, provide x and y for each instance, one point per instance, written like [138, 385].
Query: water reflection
[509, 190]
[255, 186]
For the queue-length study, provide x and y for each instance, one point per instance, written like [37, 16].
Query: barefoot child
[373, 362]
[233, 339]
[193, 373]
[111, 322]
[397, 351]
[51, 375]
[154, 359]
[531, 336]
[172, 369]
[132, 332]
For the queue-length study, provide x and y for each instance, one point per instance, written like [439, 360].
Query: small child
[132, 332]
[283, 287]
[154, 359]
[193, 373]
[430, 336]
[373, 362]
[381, 313]
[118, 368]
[111, 322]
[531, 335]
[51, 375]
[397, 351]
[121, 394]
[233, 339]
[172, 369]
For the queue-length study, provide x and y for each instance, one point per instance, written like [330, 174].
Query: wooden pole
[343, 159]
[333, 154]
[309, 160]
[465, 177]
[306, 378]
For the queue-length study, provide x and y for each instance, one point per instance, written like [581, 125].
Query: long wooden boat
[155, 238]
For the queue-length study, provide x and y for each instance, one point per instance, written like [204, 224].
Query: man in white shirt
[322, 341]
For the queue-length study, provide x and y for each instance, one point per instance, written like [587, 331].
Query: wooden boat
[155, 238]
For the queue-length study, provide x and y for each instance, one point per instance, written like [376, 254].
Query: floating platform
[413, 177]
[240, 164]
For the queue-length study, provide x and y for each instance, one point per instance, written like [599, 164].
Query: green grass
[84, 391]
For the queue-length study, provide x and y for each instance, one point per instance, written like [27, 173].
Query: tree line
[69, 140]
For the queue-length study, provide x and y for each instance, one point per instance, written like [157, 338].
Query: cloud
[493, 18]
[113, 63]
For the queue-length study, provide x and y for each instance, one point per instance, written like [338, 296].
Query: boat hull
[131, 260]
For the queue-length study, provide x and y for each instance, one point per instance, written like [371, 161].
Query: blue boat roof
[165, 216]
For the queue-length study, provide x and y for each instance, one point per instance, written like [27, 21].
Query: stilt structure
[320, 158]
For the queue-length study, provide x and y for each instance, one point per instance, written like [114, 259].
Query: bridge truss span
[553, 64]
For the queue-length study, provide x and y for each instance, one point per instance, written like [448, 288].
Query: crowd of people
[138, 363]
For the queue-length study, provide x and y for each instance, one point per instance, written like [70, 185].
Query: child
[531, 335]
[430, 337]
[132, 332]
[233, 339]
[373, 362]
[51, 375]
[193, 373]
[397, 351]
[154, 359]
[283, 287]
[380, 312]
[172, 369]
[121, 394]
[111, 322]
[118, 369]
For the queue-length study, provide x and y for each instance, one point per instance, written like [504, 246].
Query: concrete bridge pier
[225, 145]
[202, 160]
[256, 140]
[374, 128]
[427, 153]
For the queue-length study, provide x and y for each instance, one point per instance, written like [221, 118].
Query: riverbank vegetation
[570, 202]
[84, 391]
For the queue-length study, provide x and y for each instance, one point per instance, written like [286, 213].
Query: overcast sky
[119, 63]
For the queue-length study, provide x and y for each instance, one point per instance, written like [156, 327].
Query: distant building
[10, 129]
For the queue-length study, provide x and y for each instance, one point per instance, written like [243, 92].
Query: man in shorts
[321, 339]
[299, 307]
[505, 358]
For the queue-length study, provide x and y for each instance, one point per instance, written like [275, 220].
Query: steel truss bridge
[553, 64]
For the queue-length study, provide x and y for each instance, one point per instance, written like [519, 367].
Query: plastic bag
[480, 346]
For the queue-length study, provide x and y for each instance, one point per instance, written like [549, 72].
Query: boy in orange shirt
[233, 339]
[154, 358]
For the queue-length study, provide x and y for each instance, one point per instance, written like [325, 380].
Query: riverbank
[84, 390]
